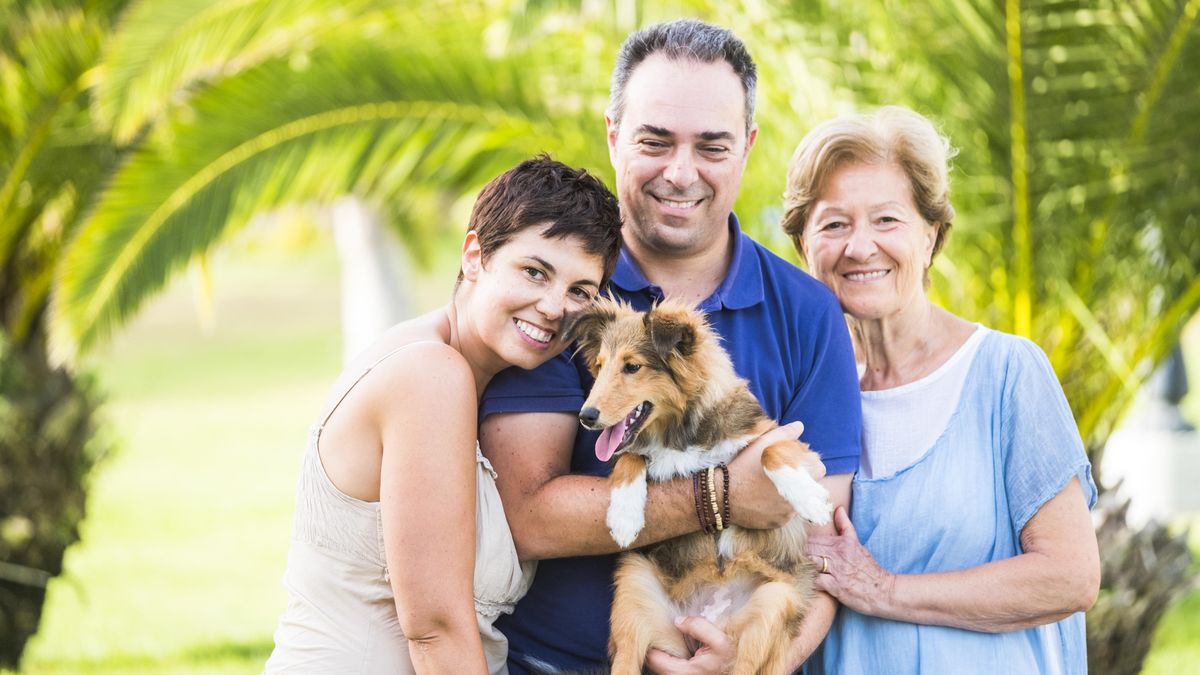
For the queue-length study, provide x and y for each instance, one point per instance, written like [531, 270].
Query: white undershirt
[902, 423]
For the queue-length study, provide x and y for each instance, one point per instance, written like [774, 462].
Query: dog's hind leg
[642, 616]
[764, 628]
[794, 469]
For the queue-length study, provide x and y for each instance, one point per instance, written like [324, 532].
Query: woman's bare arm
[1056, 575]
[426, 411]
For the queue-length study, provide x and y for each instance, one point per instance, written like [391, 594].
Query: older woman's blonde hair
[893, 135]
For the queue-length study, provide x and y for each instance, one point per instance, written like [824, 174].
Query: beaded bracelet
[713, 503]
[698, 494]
[725, 494]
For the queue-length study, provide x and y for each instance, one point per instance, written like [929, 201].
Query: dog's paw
[809, 498]
[627, 513]
[814, 507]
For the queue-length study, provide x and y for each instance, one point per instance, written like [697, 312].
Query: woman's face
[522, 291]
[865, 239]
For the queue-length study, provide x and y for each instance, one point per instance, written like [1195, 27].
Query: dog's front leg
[791, 467]
[627, 499]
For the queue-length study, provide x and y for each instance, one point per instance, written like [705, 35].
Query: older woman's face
[865, 239]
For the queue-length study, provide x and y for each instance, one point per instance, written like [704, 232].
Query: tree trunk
[47, 423]
[372, 265]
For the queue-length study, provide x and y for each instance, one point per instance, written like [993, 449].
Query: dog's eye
[631, 368]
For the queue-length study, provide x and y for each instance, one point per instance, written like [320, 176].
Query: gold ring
[824, 565]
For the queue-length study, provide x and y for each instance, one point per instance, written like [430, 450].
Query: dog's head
[646, 365]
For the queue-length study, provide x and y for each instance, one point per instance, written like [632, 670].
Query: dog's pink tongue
[610, 439]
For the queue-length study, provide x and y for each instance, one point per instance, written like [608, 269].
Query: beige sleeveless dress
[341, 615]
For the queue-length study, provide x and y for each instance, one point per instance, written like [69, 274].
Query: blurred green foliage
[132, 147]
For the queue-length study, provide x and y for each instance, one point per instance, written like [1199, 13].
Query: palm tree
[51, 162]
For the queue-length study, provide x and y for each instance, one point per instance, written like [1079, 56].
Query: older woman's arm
[1056, 575]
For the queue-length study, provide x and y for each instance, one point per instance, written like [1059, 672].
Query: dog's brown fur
[672, 358]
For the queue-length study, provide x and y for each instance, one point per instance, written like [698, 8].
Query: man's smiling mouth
[675, 204]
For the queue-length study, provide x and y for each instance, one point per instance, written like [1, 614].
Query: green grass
[186, 537]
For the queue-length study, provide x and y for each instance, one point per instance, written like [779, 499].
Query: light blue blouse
[1010, 446]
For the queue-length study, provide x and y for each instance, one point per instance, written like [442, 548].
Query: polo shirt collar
[741, 288]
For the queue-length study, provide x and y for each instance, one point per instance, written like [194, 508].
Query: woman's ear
[472, 257]
[931, 234]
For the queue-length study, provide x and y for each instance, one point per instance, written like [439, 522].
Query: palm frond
[355, 119]
[161, 50]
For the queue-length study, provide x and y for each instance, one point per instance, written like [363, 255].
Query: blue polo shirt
[787, 336]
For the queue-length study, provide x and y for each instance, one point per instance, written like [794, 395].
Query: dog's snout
[588, 417]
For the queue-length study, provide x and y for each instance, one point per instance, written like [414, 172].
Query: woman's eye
[631, 368]
[836, 225]
[582, 294]
[535, 273]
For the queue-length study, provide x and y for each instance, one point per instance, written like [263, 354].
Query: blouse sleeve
[1040, 440]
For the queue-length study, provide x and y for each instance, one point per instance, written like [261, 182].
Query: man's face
[679, 152]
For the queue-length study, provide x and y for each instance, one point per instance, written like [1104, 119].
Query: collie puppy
[668, 403]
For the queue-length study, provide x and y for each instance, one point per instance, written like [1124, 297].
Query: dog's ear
[670, 333]
[586, 327]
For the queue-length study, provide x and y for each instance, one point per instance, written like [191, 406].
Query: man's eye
[631, 368]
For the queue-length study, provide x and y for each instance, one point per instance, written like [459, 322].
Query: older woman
[971, 548]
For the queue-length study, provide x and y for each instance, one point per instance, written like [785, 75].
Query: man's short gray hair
[683, 39]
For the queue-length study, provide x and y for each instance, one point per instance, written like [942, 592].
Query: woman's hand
[715, 655]
[848, 571]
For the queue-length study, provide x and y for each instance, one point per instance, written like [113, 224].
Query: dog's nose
[588, 417]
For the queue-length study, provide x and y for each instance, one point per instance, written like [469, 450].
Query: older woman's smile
[866, 275]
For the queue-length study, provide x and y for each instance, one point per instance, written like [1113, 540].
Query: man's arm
[824, 606]
[555, 514]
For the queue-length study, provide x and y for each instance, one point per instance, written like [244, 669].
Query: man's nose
[681, 171]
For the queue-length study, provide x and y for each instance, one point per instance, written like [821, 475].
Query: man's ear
[750, 138]
[670, 333]
[613, 131]
[472, 257]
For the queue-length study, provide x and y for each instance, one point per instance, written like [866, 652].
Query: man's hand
[714, 656]
[754, 501]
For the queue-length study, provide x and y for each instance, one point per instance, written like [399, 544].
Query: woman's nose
[861, 243]
[551, 305]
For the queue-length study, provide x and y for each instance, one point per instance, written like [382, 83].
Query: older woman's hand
[848, 571]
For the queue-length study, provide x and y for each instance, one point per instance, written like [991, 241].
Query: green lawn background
[186, 537]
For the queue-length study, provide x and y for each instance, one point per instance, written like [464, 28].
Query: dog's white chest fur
[667, 463]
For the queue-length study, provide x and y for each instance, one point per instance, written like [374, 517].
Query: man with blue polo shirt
[680, 129]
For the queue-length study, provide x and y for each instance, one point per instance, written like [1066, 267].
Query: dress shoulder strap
[365, 371]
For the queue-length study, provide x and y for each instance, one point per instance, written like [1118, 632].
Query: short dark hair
[571, 202]
[683, 39]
